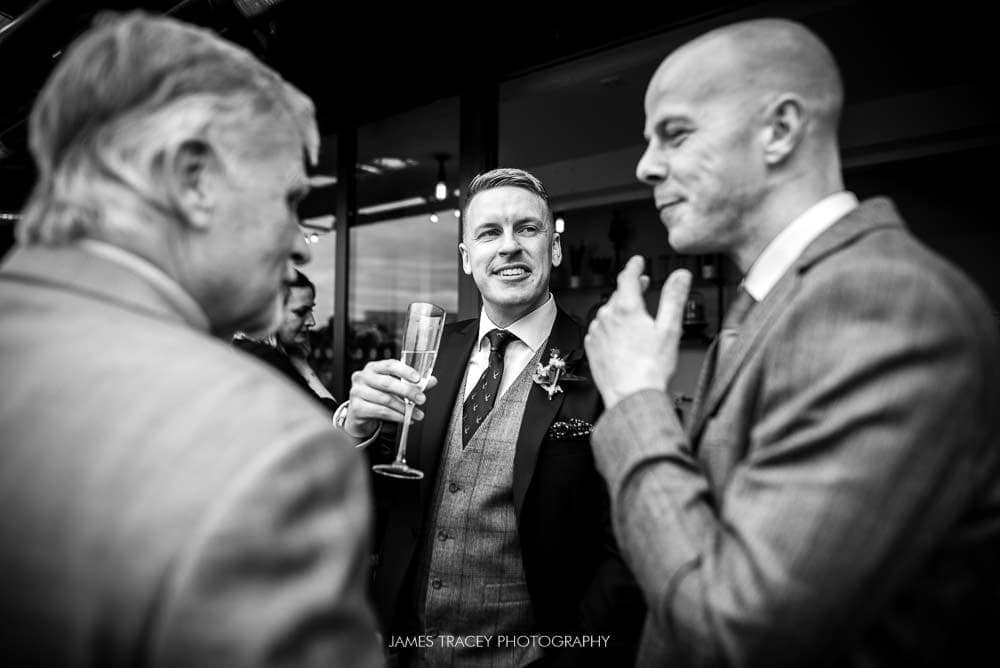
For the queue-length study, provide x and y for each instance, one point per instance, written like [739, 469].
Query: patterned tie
[731, 324]
[716, 357]
[480, 402]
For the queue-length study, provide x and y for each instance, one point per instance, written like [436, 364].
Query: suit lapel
[540, 411]
[751, 333]
[874, 214]
[452, 360]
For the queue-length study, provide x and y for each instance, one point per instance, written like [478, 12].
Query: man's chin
[266, 323]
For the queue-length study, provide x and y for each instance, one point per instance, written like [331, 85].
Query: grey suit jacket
[165, 500]
[836, 498]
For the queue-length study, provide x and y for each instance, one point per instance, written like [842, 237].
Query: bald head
[741, 126]
[754, 63]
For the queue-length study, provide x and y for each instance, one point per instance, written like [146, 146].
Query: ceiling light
[560, 225]
[441, 189]
[322, 180]
[321, 223]
[458, 213]
[313, 238]
[434, 218]
[391, 206]
[393, 164]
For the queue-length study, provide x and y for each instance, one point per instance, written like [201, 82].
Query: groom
[508, 533]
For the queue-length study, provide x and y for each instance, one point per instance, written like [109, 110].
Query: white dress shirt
[532, 331]
[779, 255]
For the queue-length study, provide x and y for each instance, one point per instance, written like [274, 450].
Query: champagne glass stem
[407, 416]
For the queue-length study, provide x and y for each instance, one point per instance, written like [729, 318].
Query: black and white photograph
[486, 335]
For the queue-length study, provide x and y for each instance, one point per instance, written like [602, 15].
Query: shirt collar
[779, 255]
[185, 304]
[532, 329]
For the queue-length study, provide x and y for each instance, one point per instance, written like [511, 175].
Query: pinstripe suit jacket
[836, 497]
[166, 500]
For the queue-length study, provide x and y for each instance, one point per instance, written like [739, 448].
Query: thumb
[629, 282]
[672, 299]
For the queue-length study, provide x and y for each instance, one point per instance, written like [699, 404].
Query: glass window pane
[393, 263]
[316, 214]
[404, 243]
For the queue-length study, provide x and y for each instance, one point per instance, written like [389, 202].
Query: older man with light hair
[167, 500]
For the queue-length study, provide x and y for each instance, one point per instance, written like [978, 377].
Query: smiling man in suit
[508, 532]
[835, 498]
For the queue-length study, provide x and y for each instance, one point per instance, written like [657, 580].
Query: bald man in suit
[835, 496]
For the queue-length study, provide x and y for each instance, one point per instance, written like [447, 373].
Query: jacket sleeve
[868, 437]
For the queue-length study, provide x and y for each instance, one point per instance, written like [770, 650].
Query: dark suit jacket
[575, 577]
[280, 361]
[836, 498]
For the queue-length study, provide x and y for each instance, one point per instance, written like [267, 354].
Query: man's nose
[652, 167]
[509, 244]
[310, 321]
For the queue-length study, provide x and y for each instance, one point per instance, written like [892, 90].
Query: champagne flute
[421, 337]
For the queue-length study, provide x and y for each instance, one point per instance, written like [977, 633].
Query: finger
[376, 412]
[644, 283]
[373, 405]
[368, 403]
[629, 292]
[590, 342]
[672, 299]
[392, 367]
[387, 391]
[389, 384]
[432, 381]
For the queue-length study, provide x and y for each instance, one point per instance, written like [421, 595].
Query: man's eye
[529, 229]
[488, 233]
[676, 137]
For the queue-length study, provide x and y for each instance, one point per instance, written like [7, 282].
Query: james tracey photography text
[485, 641]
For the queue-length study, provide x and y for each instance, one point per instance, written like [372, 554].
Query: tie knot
[499, 338]
[738, 310]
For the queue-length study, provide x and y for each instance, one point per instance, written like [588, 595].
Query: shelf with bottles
[600, 273]
[714, 282]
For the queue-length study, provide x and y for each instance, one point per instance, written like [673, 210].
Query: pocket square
[571, 428]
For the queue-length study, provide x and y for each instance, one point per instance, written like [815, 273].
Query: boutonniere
[549, 375]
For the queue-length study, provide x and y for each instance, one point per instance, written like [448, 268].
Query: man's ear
[192, 177]
[466, 265]
[556, 250]
[784, 129]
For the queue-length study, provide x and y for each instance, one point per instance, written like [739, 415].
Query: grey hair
[507, 176]
[125, 97]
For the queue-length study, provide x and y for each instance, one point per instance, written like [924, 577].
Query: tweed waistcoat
[475, 578]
